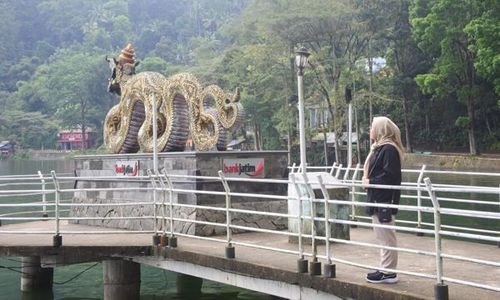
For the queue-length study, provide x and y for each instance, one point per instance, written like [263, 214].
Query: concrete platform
[251, 262]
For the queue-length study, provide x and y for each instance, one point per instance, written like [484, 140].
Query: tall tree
[28, 129]
[72, 87]
[439, 31]
[335, 41]
[485, 32]
[407, 60]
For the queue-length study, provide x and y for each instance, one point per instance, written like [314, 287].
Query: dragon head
[121, 69]
[235, 99]
[232, 113]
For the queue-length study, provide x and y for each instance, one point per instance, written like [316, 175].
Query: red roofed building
[73, 139]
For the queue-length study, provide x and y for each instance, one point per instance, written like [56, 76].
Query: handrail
[172, 184]
[437, 228]
[494, 174]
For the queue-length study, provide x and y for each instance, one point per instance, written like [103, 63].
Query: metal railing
[164, 188]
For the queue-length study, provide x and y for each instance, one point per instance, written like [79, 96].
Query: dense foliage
[440, 80]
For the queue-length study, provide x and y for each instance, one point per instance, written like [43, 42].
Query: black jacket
[384, 168]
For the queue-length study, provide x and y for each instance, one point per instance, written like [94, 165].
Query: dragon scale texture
[182, 110]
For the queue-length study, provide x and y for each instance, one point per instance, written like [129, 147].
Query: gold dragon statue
[182, 110]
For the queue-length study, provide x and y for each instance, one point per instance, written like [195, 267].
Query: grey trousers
[386, 237]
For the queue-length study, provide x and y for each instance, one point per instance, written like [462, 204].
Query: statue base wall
[273, 163]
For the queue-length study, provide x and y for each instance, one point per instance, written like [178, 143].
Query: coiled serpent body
[182, 110]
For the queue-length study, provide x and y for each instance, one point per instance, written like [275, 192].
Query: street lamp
[300, 61]
[348, 99]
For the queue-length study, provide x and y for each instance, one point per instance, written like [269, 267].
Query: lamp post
[156, 237]
[300, 61]
[348, 99]
[155, 137]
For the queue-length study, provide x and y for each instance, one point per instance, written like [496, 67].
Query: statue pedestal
[337, 211]
[273, 164]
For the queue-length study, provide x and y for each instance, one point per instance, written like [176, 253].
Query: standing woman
[383, 167]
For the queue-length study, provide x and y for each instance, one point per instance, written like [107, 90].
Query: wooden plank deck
[272, 265]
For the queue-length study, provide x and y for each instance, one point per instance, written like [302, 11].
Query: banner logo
[127, 168]
[244, 167]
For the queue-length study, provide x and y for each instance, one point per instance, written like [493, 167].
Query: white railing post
[329, 267]
[314, 265]
[301, 262]
[156, 237]
[338, 171]
[353, 194]
[347, 170]
[230, 251]
[44, 196]
[172, 239]
[57, 238]
[333, 168]
[441, 289]
[419, 199]
[163, 187]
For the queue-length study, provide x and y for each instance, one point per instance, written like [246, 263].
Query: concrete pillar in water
[188, 285]
[35, 280]
[121, 279]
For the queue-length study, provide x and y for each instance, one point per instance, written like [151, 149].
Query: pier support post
[172, 242]
[188, 285]
[230, 251]
[163, 240]
[329, 270]
[315, 267]
[34, 278]
[441, 291]
[302, 265]
[156, 240]
[121, 279]
[57, 241]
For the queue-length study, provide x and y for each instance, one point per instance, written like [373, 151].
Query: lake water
[156, 284]
[458, 179]
[160, 284]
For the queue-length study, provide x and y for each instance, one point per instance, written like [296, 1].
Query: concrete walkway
[349, 282]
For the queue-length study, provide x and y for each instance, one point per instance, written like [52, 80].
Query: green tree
[439, 31]
[8, 34]
[72, 86]
[327, 29]
[257, 70]
[31, 130]
[485, 32]
[80, 94]
[407, 61]
[66, 19]
[152, 64]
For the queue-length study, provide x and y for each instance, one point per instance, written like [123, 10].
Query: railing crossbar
[175, 184]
